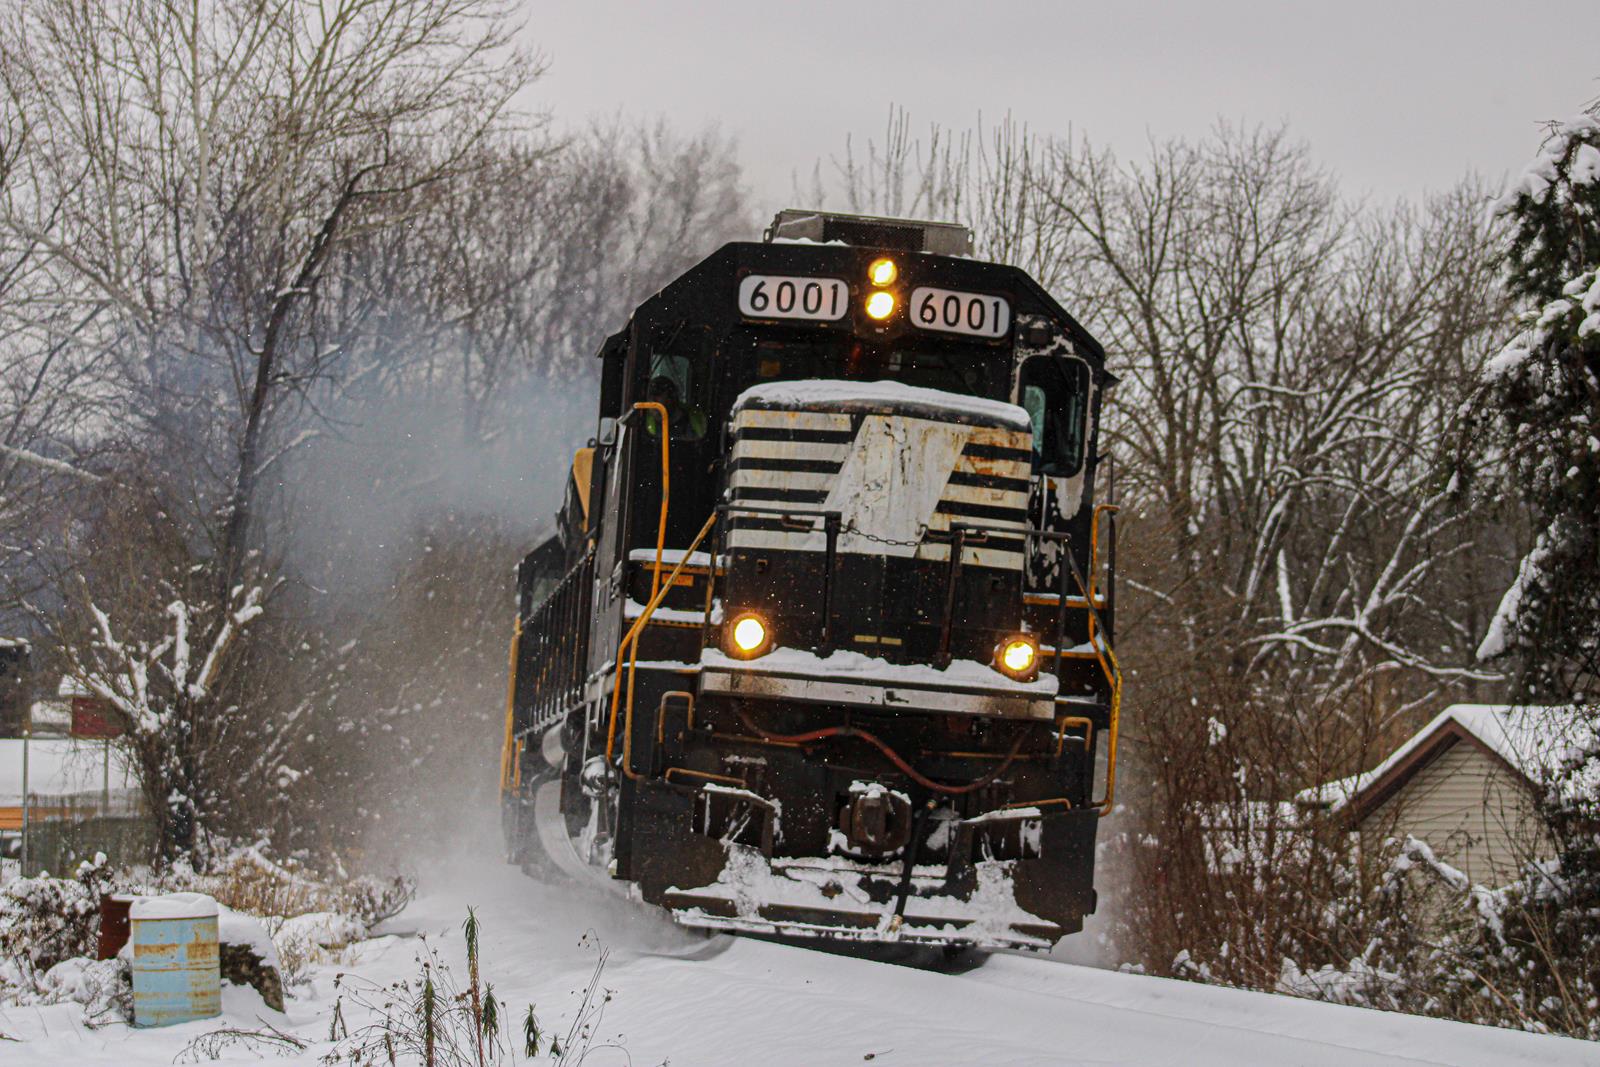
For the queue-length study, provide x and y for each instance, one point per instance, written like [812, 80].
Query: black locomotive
[822, 644]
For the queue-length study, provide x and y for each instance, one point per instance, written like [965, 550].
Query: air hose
[893, 756]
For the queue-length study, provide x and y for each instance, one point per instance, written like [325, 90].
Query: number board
[778, 296]
[950, 311]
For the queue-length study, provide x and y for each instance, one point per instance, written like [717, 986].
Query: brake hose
[893, 756]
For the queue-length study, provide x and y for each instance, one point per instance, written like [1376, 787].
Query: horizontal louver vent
[889, 476]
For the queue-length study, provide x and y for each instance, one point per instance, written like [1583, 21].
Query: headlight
[1018, 657]
[748, 636]
[883, 272]
[880, 305]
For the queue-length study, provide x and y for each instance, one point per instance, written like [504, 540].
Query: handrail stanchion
[631, 640]
[1065, 548]
[1107, 657]
[511, 706]
[830, 523]
[958, 542]
[655, 575]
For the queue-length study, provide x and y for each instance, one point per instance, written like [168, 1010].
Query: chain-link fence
[59, 845]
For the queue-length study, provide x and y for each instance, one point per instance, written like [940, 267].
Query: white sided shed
[1467, 784]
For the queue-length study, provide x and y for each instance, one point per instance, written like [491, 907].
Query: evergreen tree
[1540, 400]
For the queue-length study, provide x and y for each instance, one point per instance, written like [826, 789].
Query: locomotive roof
[835, 257]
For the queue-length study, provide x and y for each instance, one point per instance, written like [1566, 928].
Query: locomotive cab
[823, 645]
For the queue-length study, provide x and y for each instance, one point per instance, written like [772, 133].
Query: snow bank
[237, 928]
[319, 929]
[726, 1001]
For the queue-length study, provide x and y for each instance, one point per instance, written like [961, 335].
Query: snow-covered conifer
[1540, 398]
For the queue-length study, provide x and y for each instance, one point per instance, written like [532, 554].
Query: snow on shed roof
[884, 395]
[1335, 794]
[1533, 740]
[72, 687]
[58, 767]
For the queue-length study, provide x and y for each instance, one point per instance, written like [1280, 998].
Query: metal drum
[176, 975]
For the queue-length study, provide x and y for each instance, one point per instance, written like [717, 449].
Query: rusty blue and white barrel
[176, 969]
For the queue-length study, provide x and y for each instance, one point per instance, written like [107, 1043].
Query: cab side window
[1055, 393]
[673, 384]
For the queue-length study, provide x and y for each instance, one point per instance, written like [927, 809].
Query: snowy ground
[688, 1001]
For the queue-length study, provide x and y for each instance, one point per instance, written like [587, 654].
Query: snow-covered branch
[45, 463]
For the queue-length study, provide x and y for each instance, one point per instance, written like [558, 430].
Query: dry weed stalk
[439, 1023]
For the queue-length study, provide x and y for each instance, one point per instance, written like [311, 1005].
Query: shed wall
[1473, 812]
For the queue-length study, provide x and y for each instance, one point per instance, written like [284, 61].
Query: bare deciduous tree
[187, 173]
[1303, 577]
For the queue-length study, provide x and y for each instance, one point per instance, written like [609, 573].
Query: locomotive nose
[904, 508]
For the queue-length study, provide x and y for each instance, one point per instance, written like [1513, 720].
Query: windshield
[967, 370]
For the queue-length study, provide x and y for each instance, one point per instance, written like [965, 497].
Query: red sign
[92, 718]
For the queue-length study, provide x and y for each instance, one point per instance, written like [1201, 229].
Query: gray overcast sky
[1396, 97]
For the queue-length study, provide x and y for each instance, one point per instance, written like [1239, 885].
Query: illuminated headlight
[748, 636]
[883, 272]
[1018, 657]
[880, 305]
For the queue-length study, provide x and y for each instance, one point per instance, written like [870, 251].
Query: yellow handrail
[1114, 676]
[1105, 654]
[511, 705]
[1094, 547]
[661, 540]
[631, 641]
[666, 485]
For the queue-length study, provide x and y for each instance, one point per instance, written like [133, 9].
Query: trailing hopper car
[822, 645]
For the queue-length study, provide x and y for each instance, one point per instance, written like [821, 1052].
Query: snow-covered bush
[1525, 955]
[45, 921]
[307, 915]
[103, 987]
[372, 900]
[249, 880]
[276, 919]
[1542, 934]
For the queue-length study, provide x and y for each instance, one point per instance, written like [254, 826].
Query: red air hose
[893, 756]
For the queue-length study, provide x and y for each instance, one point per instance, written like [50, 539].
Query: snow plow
[822, 645]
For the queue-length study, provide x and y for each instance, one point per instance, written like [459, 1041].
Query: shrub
[45, 920]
